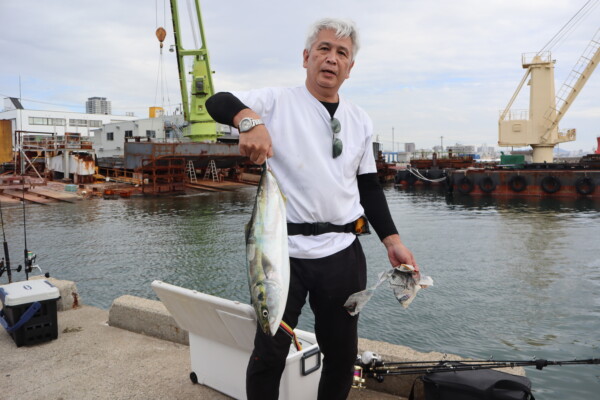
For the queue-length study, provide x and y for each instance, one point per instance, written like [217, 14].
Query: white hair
[343, 28]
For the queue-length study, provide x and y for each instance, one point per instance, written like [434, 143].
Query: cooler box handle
[33, 308]
[307, 355]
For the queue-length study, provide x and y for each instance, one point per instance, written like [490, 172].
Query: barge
[580, 179]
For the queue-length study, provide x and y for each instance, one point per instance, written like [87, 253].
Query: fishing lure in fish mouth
[267, 257]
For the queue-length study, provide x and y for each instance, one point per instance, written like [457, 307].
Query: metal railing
[513, 115]
[542, 57]
[32, 141]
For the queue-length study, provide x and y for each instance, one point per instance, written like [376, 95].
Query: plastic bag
[403, 280]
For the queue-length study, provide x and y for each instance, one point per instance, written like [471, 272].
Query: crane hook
[161, 33]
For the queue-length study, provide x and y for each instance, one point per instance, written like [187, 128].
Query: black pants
[328, 281]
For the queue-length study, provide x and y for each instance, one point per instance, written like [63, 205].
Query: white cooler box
[221, 335]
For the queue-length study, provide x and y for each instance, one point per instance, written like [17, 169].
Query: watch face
[245, 124]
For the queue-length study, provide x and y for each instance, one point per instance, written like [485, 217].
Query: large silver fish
[267, 256]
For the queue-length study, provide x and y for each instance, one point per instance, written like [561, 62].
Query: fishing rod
[5, 262]
[29, 256]
[371, 365]
[28, 261]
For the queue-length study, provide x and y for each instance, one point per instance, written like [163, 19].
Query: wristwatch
[248, 123]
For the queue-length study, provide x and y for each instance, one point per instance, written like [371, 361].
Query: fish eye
[265, 313]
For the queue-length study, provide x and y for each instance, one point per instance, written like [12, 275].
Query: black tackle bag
[481, 384]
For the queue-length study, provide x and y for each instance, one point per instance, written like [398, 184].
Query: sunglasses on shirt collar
[337, 147]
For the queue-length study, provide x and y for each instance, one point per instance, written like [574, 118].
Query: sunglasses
[336, 127]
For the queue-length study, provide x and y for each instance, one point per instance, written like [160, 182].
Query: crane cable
[161, 78]
[563, 32]
[193, 23]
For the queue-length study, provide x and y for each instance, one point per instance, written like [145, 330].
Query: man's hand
[256, 143]
[398, 253]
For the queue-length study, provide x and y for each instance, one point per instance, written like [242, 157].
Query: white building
[108, 141]
[56, 122]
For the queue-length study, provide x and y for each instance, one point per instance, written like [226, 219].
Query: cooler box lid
[225, 321]
[26, 292]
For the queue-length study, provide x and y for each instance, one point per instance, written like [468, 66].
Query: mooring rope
[416, 173]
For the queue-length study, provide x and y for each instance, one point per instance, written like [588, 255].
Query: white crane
[539, 127]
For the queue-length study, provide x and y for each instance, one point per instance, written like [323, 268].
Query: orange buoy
[161, 33]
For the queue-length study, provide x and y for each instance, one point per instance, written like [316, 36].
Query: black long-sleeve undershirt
[375, 205]
[223, 106]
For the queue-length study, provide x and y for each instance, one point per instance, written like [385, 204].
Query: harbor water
[513, 278]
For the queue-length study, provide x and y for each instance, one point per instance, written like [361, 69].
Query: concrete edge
[149, 317]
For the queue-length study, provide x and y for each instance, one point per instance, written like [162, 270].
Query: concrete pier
[137, 351]
[93, 360]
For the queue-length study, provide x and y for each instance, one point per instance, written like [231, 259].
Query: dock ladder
[191, 171]
[211, 170]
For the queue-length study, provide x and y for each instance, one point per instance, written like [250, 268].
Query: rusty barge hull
[225, 155]
[163, 168]
[527, 182]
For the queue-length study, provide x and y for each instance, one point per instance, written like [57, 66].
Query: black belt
[358, 227]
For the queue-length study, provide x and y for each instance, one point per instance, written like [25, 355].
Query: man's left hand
[398, 253]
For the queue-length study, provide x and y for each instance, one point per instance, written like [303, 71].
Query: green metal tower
[201, 127]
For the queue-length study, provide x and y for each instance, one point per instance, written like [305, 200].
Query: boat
[579, 179]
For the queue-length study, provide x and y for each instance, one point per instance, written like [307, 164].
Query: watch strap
[254, 122]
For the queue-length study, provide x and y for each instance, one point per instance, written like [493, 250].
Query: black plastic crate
[42, 326]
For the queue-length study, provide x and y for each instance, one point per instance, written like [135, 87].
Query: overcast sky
[426, 69]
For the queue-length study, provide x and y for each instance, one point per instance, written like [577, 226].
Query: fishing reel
[366, 365]
[30, 264]
[30, 258]
[4, 266]
[358, 382]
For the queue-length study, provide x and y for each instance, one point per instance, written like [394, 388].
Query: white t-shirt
[318, 187]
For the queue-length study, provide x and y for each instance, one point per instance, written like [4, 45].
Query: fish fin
[267, 265]
[247, 230]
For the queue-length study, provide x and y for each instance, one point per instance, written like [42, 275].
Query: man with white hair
[320, 150]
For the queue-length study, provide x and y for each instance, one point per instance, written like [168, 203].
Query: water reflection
[541, 204]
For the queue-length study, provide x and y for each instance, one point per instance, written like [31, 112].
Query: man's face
[328, 65]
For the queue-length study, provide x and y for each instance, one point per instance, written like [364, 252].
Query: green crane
[201, 127]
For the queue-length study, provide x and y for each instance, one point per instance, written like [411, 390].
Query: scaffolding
[162, 175]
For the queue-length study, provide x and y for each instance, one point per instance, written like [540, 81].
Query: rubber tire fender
[397, 177]
[487, 184]
[465, 185]
[550, 184]
[585, 186]
[411, 179]
[517, 183]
